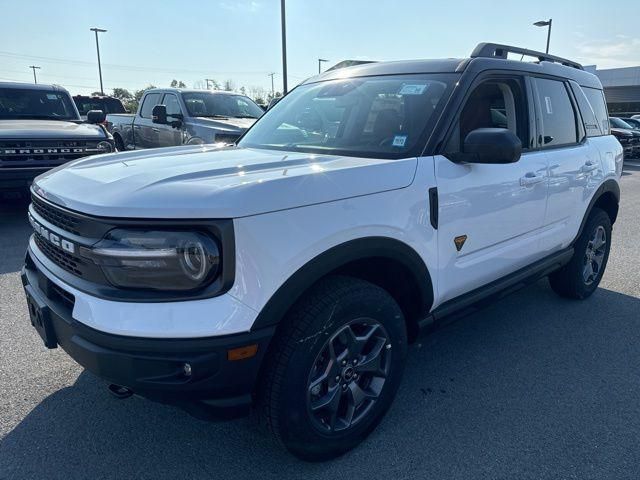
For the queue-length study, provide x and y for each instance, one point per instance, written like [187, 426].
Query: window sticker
[413, 89]
[52, 96]
[547, 101]
[399, 141]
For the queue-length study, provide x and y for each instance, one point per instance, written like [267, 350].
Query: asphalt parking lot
[533, 386]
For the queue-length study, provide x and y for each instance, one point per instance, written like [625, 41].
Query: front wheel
[582, 275]
[334, 369]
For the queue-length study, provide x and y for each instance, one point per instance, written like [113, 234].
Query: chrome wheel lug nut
[344, 362]
[337, 378]
[355, 361]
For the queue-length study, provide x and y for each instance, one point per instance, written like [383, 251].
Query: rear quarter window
[592, 125]
[599, 107]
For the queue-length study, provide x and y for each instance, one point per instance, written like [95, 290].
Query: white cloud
[623, 51]
[241, 6]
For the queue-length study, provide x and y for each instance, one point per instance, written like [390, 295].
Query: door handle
[531, 178]
[588, 167]
[136, 127]
[156, 130]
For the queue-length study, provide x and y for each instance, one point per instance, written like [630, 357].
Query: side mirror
[490, 145]
[159, 114]
[96, 116]
[272, 102]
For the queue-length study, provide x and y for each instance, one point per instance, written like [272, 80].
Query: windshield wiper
[224, 117]
[244, 116]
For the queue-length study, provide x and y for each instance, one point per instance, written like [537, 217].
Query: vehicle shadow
[532, 386]
[14, 232]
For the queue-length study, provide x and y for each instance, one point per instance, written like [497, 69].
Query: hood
[49, 129]
[214, 182]
[621, 132]
[233, 124]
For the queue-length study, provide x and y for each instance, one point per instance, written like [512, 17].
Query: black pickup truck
[169, 117]
[40, 128]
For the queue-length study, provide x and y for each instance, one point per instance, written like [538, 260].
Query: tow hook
[119, 391]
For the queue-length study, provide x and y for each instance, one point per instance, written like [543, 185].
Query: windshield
[617, 123]
[382, 116]
[203, 104]
[18, 103]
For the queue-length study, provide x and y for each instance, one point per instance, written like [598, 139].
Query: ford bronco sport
[288, 274]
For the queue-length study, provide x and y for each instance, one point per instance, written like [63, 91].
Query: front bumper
[151, 367]
[19, 178]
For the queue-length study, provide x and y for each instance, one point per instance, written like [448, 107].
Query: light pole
[273, 90]
[320, 60]
[101, 30]
[34, 67]
[284, 48]
[546, 23]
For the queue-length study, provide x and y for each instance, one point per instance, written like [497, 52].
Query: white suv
[289, 273]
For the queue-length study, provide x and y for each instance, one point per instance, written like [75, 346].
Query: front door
[490, 215]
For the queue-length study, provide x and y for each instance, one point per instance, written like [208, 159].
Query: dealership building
[621, 88]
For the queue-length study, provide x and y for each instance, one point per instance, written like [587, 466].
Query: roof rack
[495, 50]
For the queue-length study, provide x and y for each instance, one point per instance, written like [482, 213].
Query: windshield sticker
[547, 101]
[399, 141]
[412, 89]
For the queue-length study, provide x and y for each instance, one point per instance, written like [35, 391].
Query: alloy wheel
[594, 256]
[348, 375]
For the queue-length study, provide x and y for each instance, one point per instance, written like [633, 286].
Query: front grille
[55, 216]
[43, 153]
[65, 260]
[66, 298]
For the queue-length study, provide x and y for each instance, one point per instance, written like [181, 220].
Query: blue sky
[156, 41]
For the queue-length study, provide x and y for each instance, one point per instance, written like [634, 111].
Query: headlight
[105, 147]
[158, 260]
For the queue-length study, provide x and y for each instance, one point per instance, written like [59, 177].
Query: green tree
[177, 84]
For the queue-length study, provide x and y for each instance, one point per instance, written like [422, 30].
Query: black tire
[571, 281]
[300, 352]
[119, 143]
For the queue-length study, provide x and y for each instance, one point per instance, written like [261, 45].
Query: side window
[591, 124]
[596, 99]
[493, 104]
[172, 104]
[150, 101]
[558, 122]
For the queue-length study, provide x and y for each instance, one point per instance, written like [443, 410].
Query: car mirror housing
[159, 114]
[96, 116]
[490, 146]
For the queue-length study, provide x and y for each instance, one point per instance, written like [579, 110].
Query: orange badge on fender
[459, 241]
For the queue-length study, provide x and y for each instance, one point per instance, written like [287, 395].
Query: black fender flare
[338, 256]
[609, 186]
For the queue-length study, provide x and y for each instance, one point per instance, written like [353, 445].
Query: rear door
[146, 133]
[490, 216]
[574, 162]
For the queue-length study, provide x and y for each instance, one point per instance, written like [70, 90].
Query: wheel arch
[386, 262]
[607, 198]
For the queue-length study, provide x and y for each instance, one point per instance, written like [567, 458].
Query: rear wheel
[334, 369]
[582, 275]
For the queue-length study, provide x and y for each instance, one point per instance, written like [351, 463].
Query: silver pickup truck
[170, 117]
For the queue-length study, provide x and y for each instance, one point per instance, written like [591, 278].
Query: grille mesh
[61, 258]
[55, 216]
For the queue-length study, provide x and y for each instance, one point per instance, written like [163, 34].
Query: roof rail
[495, 50]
